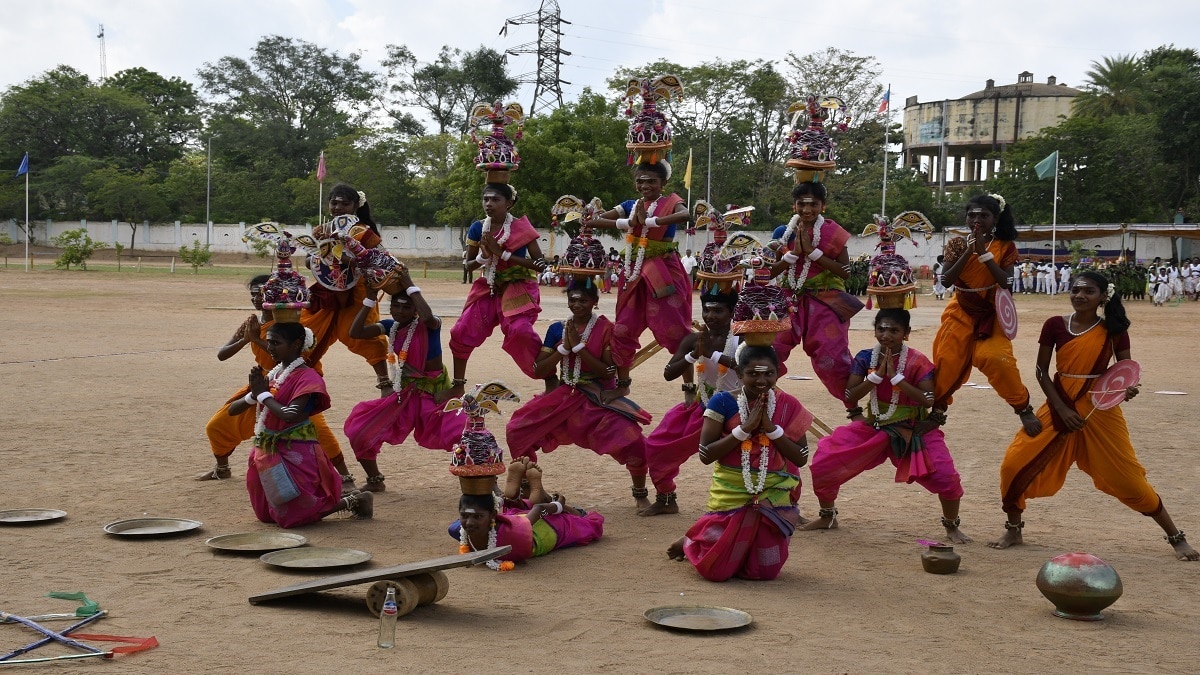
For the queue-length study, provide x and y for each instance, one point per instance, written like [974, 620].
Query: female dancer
[419, 379]
[1073, 431]
[226, 431]
[340, 289]
[654, 290]
[290, 481]
[585, 410]
[813, 268]
[506, 251]
[750, 515]
[968, 335]
[903, 375]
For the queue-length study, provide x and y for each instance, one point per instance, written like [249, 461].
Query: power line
[547, 78]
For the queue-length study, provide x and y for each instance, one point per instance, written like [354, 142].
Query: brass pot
[1079, 585]
[940, 559]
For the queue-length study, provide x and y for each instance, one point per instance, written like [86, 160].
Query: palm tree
[1115, 87]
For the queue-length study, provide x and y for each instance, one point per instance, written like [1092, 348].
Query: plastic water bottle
[387, 620]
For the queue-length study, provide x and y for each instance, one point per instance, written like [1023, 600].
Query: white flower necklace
[572, 366]
[633, 268]
[895, 387]
[396, 370]
[275, 380]
[764, 455]
[816, 242]
[731, 341]
[465, 540]
[1072, 318]
[489, 269]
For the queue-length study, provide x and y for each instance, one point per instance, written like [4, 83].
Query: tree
[197, 256]
[175, 106]
[127, 197]
[1114, 87]
[77, 247]
[841, 73]
[445, 88]
[373, 162]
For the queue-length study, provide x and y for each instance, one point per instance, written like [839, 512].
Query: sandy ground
[108, 381]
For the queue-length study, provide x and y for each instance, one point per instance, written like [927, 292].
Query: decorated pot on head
[890, 279]
[649, 137]
[380, 268]
[497, 155]
[478, 458]
[569, 209]
[585, 257]
[761, 312]
[285, 293]
[811, 150]
[716, 274]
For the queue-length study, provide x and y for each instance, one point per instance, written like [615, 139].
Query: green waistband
[514, 273]
[268, 439]
[657, 249]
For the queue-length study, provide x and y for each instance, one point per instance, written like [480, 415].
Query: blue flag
[1047, 167]
[24, 168]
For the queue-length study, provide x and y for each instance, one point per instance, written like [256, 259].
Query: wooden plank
[369, 576]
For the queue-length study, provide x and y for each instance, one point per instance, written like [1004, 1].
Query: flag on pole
[887, 96]
[24, 168]
[1047, 167]
[687, 174]
[321, 168]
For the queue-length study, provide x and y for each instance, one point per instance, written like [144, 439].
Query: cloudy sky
[934, 50]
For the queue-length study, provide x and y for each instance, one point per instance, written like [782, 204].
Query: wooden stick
[644, 354]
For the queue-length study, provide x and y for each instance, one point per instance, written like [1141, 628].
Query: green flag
[1047, 167]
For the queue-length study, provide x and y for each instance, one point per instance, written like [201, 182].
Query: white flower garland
[396, 370]
[895, 387]
[633, 269]
[465, 540]
[731, 341]
[816, 242]
[764, 455]
[275, 379]
[571, 372]
[489, 270]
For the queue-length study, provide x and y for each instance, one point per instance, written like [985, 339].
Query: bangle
[367, 302]
[560, 507]
[716, 356]
[790, 258]
[985, 257]
[689, 358]
[851, 413]
[506, 255]
[689, 387]
[456, 382]
[740, 433]
[248, 398]
[623, 224]
[262, 398]
[815, 255]
[578, 348]
[774, 435]
[897, 379]
[480, 259]
[874, 378]
[412, 290]
[652, 221]
[624, 383]
[563, 350]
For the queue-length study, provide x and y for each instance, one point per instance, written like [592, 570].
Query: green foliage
[1115, 87]
[446, 88]
[5, 240]
[77, 247]
[197, 256]
[261, 247]
[127, 197]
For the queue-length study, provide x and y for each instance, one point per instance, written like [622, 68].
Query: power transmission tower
[546, 80]
[103, 56]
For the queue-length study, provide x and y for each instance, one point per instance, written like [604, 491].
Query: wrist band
[897, 379]
[716, 356]
[986, 257]
[652, 221]
[815, 255]
[262, 398]
[412, 290]
[563, 350]
[248, 398]
[874, 378]
[578, 348]
[774, 435]
[790, 258]
[480, 259]
[622, 224]
[367, 302]
[506, 255]
[689, 358]
[740, 433]
[559, 509]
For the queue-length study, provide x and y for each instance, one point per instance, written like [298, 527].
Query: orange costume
[226, 431]
[335, 300]
[1037, 466]
[970, 337]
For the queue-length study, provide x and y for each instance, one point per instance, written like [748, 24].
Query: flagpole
[887, 123]
[1054, 214]
[28, 229]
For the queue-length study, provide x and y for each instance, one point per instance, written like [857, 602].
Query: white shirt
[689, 263]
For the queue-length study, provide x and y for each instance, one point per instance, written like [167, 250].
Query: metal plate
[151, 527]
[1172, 393]
[316, 557]
[30, 516]
[256, 541]
[698, 618]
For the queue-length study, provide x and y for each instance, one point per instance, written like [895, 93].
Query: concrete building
[951, 141]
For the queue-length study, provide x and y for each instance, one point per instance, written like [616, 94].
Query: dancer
[340, 290]
[969, 335]
[505, 250]
[289, 478]
[750, 515]
[1074, 430]
[419, 379]
[891, 370]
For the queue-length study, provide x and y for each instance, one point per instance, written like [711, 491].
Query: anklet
[665, 498]
[827, 513]
[851, 413]
[1176, 538]
[947, 523]
[640, 493]
[1014, 526]
[1028, 410]
[375, 480]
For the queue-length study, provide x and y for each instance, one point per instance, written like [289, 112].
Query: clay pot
[1079, 585]
[940, 559]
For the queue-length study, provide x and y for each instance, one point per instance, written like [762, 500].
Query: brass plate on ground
[698, 618]
[256, 541]
[316, 557]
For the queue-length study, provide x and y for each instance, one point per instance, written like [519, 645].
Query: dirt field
[109, 380]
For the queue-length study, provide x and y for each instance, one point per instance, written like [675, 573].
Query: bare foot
[512, 481]
[957, 536]
[822, 523]
[675, 550]
[1184, 551]
[218, 472]
[641, 503]
[662, 504]
[1031, 424]
[1010, 538]
[374, 484]
[537, 493]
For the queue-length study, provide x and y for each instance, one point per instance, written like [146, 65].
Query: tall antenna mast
[103, 56]
[546, 80]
